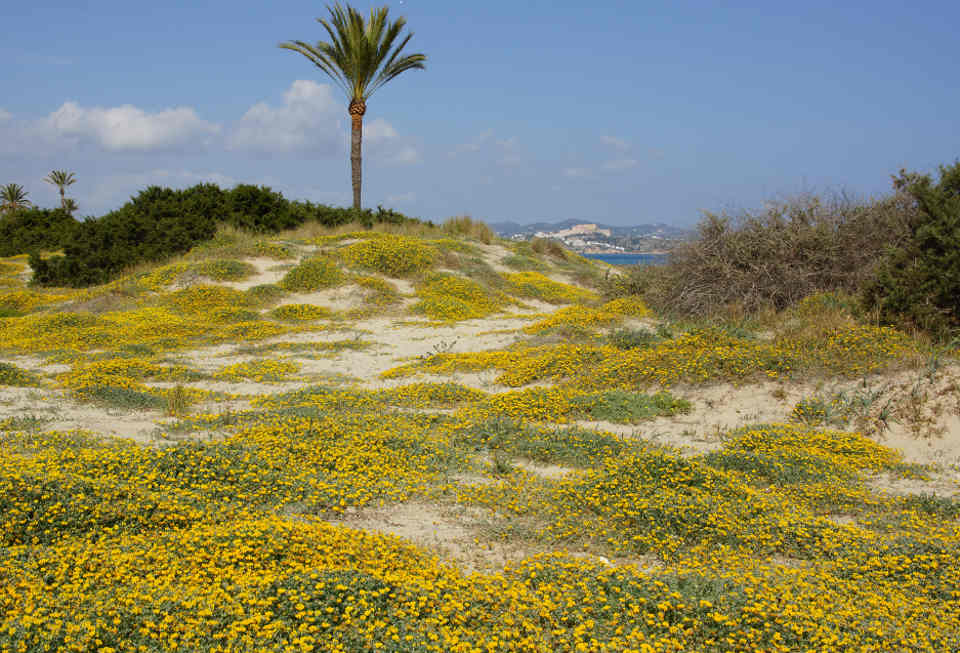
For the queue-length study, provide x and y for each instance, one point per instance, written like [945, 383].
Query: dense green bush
[919, 282]
[154, 225]
[161, 222]
[32, 229]
[775, 257]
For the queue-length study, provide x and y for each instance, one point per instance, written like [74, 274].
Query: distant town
[590, 238]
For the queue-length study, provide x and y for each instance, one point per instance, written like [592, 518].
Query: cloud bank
[129, 128]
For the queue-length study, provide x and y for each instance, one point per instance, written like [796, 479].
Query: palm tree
[360, 60]
[13, 197]
[61, 179]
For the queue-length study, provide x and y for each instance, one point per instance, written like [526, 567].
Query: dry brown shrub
[548, 247]
[773, 258]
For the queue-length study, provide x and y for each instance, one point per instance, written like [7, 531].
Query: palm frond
[60, 178]
[360, 55]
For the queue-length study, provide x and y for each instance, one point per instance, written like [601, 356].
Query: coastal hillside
[425, 438]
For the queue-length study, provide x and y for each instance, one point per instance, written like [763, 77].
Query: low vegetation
[257, 513]
[159, 223]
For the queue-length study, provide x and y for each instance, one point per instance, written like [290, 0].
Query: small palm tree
[360, 58]
[13, 197]
[70, 205]
[61, 179]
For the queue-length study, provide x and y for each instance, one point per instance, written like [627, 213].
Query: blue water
[630, 259]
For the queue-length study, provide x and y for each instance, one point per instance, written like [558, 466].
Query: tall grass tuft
[464, 225]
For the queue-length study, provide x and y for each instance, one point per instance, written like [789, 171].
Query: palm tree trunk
[356, 139]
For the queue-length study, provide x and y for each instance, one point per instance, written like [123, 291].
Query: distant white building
[575, 230]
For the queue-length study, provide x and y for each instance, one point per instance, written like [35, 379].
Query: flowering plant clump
[301, 312]
[391, 255]
[12, 266]
[225, 269]
[350, 235]
[573, 317]
[260, 371]
[24, 301]
[451, 299]
[122, 381]
[564, 403]
[380, 292]
[698, 356]
[538, 286]
[161, 277]
[422, 395]
[632, 306]
[587, 318]
[453, 245]
[202, 298]
[12, 375]
[313, 274]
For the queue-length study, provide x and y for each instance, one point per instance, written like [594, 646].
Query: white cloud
[505, 150]
[615, 143]
[129, 128]
[308, 121]
[379, 131]
[5, 115]
[382, 142]
[620, 164]
[475, 145]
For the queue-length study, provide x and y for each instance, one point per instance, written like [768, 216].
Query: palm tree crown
[13, 197]
[61, 179]
[361, 57]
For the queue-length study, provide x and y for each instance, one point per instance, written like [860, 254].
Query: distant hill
[510, 229]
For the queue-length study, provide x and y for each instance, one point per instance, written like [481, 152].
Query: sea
[630, 259]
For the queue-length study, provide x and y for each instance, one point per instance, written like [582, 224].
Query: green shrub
[32, 229]
[919, 282]
[632, 338]
[624, 407]
[161, 222]
[312, 274]
[156, 224]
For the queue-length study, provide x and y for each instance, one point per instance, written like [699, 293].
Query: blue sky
[615, 112]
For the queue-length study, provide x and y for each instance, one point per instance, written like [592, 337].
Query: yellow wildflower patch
[450, 299]
[390, 254]
[301, 312]
[260, 371]
[538, 286]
